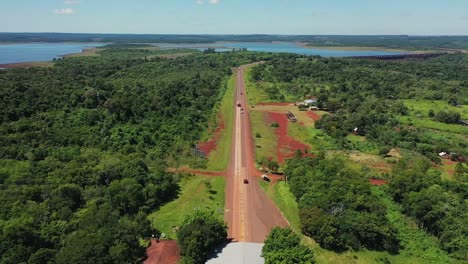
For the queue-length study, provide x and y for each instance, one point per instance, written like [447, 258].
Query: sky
[289, 17]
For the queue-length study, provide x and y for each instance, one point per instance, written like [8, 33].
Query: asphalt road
[250, 214]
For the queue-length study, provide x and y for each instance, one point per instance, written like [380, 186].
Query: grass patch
[255, 94]
[219, 157]
[194, 195]
[424, 106]
[300, 133]
[284, 199]
[447, 168]
[318, 139]
[426, 122]
[419, 111]
[265, 146]
[360, 143]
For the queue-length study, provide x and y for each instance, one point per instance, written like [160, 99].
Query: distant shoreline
[361, 48]
[91, 51]
[19, 65]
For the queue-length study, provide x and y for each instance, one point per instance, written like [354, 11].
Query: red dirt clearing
[209, 146]
[286, 145]
[163, 252]
[377, 182]
[275, 104]
[313, 115]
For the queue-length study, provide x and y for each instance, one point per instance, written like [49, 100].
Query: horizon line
[243, 34]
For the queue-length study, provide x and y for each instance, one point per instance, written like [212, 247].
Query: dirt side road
[249, 213]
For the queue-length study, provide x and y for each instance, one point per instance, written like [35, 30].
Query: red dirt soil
[377, 182]
[286, 145]
[275, 104]
[209, 146]
[163, 252]
[313, 115]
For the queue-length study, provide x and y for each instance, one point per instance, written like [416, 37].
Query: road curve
[249, 213]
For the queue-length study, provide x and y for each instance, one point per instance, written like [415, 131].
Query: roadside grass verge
[194, 195]
[255, 95]
[265, 146]
[219, 157]
[284, 199]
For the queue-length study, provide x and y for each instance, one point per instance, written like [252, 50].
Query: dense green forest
[84, 148]
[337, 207]
[413, 106]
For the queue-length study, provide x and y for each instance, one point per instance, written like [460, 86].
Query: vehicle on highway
[246, 181]
[238, 104]
[265, 177]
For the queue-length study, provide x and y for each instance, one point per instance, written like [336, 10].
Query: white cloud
[200, 2]
[64, 11]
[214, 2]
[71, 2]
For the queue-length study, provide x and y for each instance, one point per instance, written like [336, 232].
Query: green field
[419, 110]
[265, 147]
[424, 106]
[194, 195]
[219, 157]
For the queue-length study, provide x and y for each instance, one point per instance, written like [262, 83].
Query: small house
[310, 102]
[444, 155]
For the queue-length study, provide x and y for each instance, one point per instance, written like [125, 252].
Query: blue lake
[14, 53]
[279, 47]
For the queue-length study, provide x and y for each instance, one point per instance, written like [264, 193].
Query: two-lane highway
[249, 213]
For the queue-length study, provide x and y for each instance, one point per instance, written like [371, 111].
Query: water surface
[16, 53]
[280, 47]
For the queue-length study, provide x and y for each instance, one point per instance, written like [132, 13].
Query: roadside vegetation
[196, 193]
[219, 158]
[198, 235]
[283, 245]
